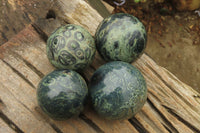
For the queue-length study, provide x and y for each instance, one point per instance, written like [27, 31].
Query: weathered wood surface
[16, 14]
[4, 128]
[172, 106]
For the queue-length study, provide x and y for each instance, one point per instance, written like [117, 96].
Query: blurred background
[173, 28]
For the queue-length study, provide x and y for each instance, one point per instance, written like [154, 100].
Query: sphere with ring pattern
[71, 47]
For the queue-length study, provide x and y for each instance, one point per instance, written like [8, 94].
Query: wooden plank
[172, 106]
[77, 12]
[29, 53]
[25, 12]
[4, 128]
[174, 96]
[23, 49]
[13, 60]
[32, 106]
[168, 119]
[149, 121]
[19, 85]
[110, 126]
[171, 90]
[97, 120]
[23, 44]
[18, 114]
[99, 7]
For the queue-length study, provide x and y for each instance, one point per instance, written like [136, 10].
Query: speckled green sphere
[120, 37]
[61, 94]
[71, 47]
[118, 90]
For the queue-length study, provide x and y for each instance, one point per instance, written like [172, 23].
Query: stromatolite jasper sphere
[120, 37]
[118, 90]
[71, 47]
[61, 94]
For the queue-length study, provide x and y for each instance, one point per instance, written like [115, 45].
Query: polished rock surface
[61, 94]
[118, 90]
[120, 37]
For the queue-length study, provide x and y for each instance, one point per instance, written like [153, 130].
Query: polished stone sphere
[118, 90]
[120, 37]
[61, 94]
[71, 47]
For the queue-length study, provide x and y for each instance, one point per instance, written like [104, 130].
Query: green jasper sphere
[61, 94]
[118, 90]
[71, 47]
[120, 37]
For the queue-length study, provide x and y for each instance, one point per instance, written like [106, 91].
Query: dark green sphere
[71, 47]
[61, 94]
[118, 90]
[120, 37]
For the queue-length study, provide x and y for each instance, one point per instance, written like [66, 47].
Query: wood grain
[172, 106]
[24, 89]
[77, 12]
[4, 128]
[17, 14]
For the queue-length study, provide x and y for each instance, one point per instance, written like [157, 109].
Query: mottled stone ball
[71, 47]
[118, 90]
[62, 94]
[120, 37]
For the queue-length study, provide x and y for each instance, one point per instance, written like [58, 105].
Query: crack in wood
[33, 68]
[181, 119]
[2, 105]
[26, 17]
[91, 123]
[22, 103]
[11, 124]
[167, 122]
[19, 74]
[189, 125]
[29, 65]
[171, 88]
[4, 36]
[18, 101]
[166, 128]
[65, 21]
[47, 119]
[41, 33]
[196, 96]
[151, 122]
[154, 95]
[138, 126]
[55, 128]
